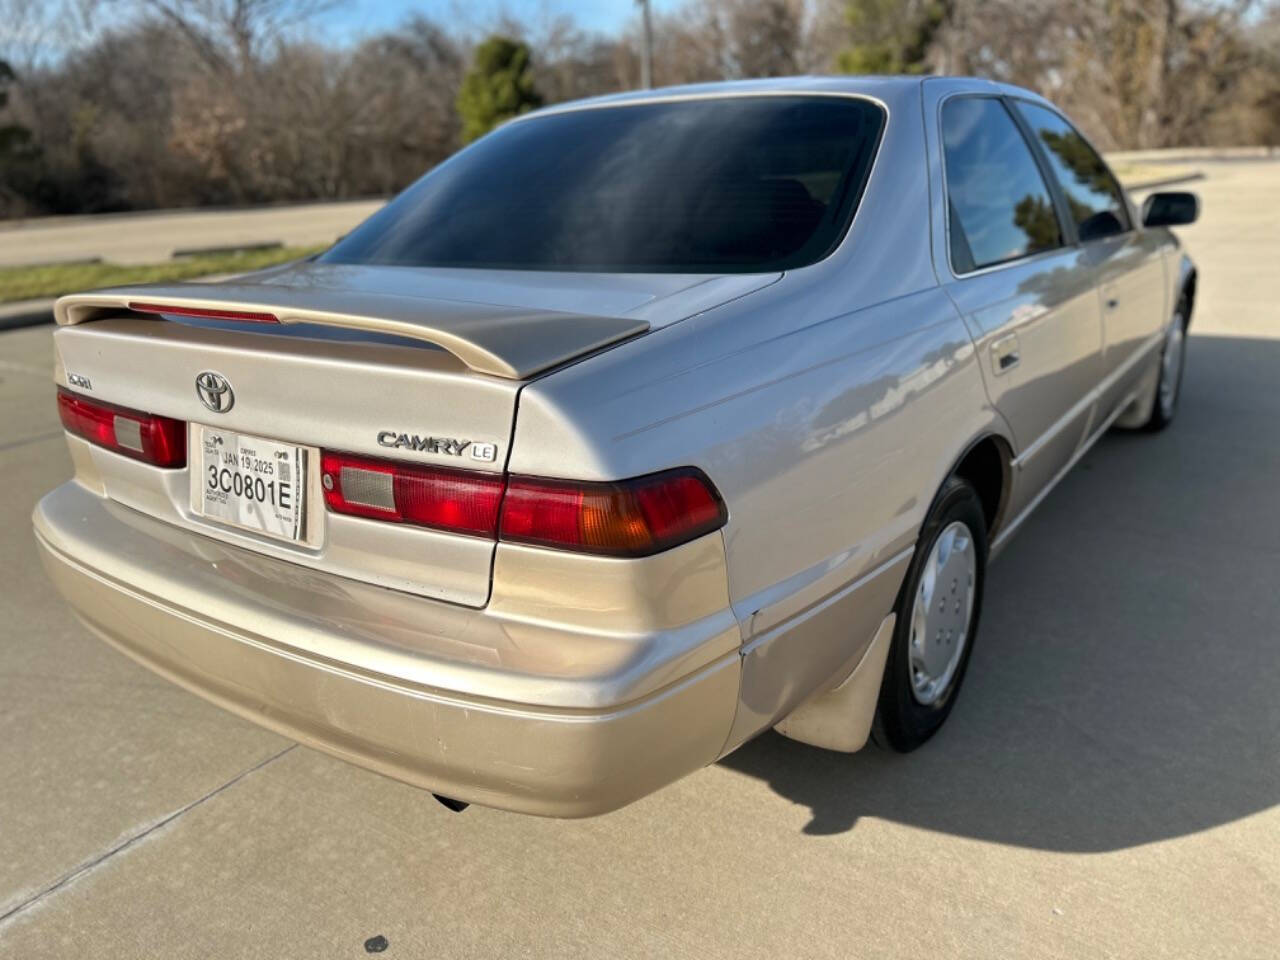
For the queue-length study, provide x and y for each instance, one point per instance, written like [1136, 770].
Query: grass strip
[54, 279]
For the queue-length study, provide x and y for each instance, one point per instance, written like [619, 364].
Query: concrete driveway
[1107, 786]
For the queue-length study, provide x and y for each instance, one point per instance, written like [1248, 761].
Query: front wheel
[1173, 362]
[937, 620]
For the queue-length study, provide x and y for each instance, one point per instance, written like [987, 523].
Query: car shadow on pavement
[1123, 689]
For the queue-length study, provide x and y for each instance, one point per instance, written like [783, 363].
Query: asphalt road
[1107, 785]
[153, 237]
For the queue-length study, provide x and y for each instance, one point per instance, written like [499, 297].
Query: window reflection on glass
[1091, 191]
[999, 206]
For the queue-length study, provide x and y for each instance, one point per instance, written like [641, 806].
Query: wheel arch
[1188, 277]
[986, 462]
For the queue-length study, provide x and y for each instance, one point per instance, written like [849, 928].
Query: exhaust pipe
[457, 806]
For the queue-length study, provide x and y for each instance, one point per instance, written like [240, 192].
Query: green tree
[498, 86]
[892, 36]
[1036, 218]
[1086, 169]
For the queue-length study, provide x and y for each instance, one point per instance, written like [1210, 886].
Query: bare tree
[183, 102]
[234, 32]
[33, 32]
[1136, 73]
[707, 40]
[404, 86]
[762, 38]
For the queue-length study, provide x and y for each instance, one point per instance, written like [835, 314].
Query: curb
[1165, 182]
[1180, 155]
[25, 313]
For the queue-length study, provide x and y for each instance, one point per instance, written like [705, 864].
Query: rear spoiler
[510, 342]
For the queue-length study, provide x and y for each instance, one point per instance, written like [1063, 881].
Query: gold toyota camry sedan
[639, 427]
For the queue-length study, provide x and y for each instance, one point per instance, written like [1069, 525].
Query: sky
[368, 16]
[347, 21]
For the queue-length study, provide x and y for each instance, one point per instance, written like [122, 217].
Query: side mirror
[1170, 209]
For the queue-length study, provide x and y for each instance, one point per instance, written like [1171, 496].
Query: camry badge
[214, 391]
[412, 441]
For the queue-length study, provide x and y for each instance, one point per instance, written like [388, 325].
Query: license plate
[253, 483]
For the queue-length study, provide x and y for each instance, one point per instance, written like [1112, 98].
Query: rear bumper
[363, 673]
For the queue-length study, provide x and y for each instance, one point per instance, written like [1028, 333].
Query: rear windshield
[734, 185]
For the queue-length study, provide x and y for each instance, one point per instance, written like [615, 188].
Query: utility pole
[646, 55]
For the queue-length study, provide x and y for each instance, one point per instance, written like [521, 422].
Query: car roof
[893, 90]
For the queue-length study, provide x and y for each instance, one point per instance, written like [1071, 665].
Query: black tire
[1162, 414]
[902, 722]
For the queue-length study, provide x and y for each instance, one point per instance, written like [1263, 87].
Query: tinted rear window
[735, 185]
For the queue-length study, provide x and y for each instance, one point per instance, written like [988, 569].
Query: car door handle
[1005, 353]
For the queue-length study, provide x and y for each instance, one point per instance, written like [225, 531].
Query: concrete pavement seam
[8, 366]
[36, 439]
[8, 916]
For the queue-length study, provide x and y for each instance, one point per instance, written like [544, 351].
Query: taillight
[456, 500]
[628, 518]
[631, 518]
[161, 441]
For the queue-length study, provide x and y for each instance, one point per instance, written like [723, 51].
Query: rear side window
[1092, 193]
[999, 206]
[740, 184]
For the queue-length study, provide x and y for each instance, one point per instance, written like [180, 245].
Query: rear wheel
[937, 619]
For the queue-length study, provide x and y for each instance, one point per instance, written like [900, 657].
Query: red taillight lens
[633, 518]
[630, 518]
[243, 316]
[456, 500]
[161, 441]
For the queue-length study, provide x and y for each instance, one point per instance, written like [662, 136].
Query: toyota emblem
[214, 391]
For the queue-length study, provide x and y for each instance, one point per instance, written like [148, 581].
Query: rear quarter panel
[827, 408]
[827, 440]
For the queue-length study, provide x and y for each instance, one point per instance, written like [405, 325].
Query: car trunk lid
[376, 399]
[412, 366]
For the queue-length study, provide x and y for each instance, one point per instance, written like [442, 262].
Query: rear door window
[998, 203]
[1091, 191]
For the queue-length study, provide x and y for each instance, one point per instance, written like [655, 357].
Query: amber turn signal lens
[630, 518]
